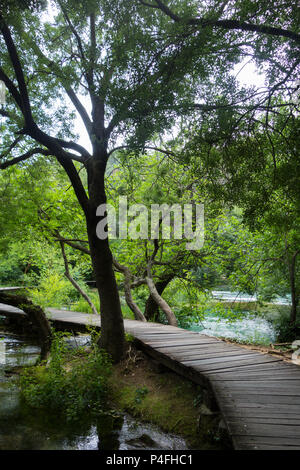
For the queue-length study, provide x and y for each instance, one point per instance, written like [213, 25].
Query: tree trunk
[112, 337]
[294, 296]
[151, 307]
[172, 320]
[138, 315]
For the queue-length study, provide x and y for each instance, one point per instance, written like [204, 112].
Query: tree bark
[294, 296]
[172, 320]
[138, 315]
[151, 307]
[112, 337]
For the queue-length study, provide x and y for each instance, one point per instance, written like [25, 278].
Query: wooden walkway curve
[257, 394]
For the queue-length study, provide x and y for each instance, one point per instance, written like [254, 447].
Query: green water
[248, 328]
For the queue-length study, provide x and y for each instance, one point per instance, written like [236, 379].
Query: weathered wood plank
[8, 310]
[284, 420]
[194, 355]
[229, 365]
[223, 359]
[284, 442]
[264, 430]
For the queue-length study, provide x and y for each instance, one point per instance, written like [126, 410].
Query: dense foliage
[155, 84]
[73, 383]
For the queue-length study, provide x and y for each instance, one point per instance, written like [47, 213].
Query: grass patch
[164, 399]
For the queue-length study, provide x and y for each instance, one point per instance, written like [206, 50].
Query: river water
[247, 327]
[22, 428]
[240, 297]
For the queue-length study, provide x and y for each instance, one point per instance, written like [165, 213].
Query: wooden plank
[204, 346]
[221, 359]
[191, 355]
[266, 401]
[244, 441]
[229, 365]
[178, 343]
[261, 375]
[271, 408]
[265, 430]
[153, 339]
[261, 396]
[9, 310]
[263, 366]
[275, 421]
[262, 387]
[7, 289]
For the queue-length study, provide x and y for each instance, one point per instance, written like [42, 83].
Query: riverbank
[282, 350]
[156, 395]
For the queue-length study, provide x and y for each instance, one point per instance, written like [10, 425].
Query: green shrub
[286, 331]
[53, 290]
[82, 306]
[140, 394]
[73, 383]
[187, 315]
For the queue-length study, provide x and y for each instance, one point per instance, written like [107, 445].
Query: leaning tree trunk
[172, 320]
[138, 315]
[151, 307]
[112, 337]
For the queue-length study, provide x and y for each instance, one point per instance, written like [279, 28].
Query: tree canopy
[137, 72]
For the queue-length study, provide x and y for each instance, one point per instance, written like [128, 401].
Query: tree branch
[80, 109]
[12, 51]
[72, 280]
[12, 89]
[225, 24]
[76, 182]
[23, 157]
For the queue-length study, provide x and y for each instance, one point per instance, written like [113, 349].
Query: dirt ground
[282, 350]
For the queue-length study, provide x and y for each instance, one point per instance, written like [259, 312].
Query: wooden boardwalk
[257, 394]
